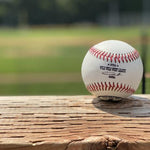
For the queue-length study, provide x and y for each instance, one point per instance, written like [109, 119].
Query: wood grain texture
[74, 123]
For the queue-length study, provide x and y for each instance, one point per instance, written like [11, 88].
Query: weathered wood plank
[74, 122]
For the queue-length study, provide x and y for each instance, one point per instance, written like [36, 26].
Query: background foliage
[35, 12]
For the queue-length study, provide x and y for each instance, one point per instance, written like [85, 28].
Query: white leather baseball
[112, 68]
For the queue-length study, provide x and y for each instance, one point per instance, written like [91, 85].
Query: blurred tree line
[37, 12]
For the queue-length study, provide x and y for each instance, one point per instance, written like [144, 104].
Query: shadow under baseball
[134, 107]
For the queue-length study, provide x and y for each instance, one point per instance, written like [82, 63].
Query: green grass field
[53, 51]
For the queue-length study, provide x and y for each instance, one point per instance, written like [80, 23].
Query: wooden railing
[74, 123]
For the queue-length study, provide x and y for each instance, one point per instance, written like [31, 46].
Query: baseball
[112, 69]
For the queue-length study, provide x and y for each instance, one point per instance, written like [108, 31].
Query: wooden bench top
[74, 123]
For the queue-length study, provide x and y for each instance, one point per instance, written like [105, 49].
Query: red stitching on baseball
[115, 58]
[105, 55]
[102, 86]
[110, 87]
[134, 57]
[106, 86]
[108, 56]
[98, 54]
[126, 57]
[123, 88]
[99, 86]
[126, 89]
[101, 54]
[118, 58]
[96, 87]
[122, 59]
[117, 86]
[113, 86]
[91, 87]
[129, 56]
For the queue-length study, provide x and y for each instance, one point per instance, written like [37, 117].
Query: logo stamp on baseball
[112, 69]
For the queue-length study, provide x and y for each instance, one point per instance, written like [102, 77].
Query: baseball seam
[126, 57]
[104, 86]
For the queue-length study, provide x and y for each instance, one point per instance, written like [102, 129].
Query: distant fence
[144, 48]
